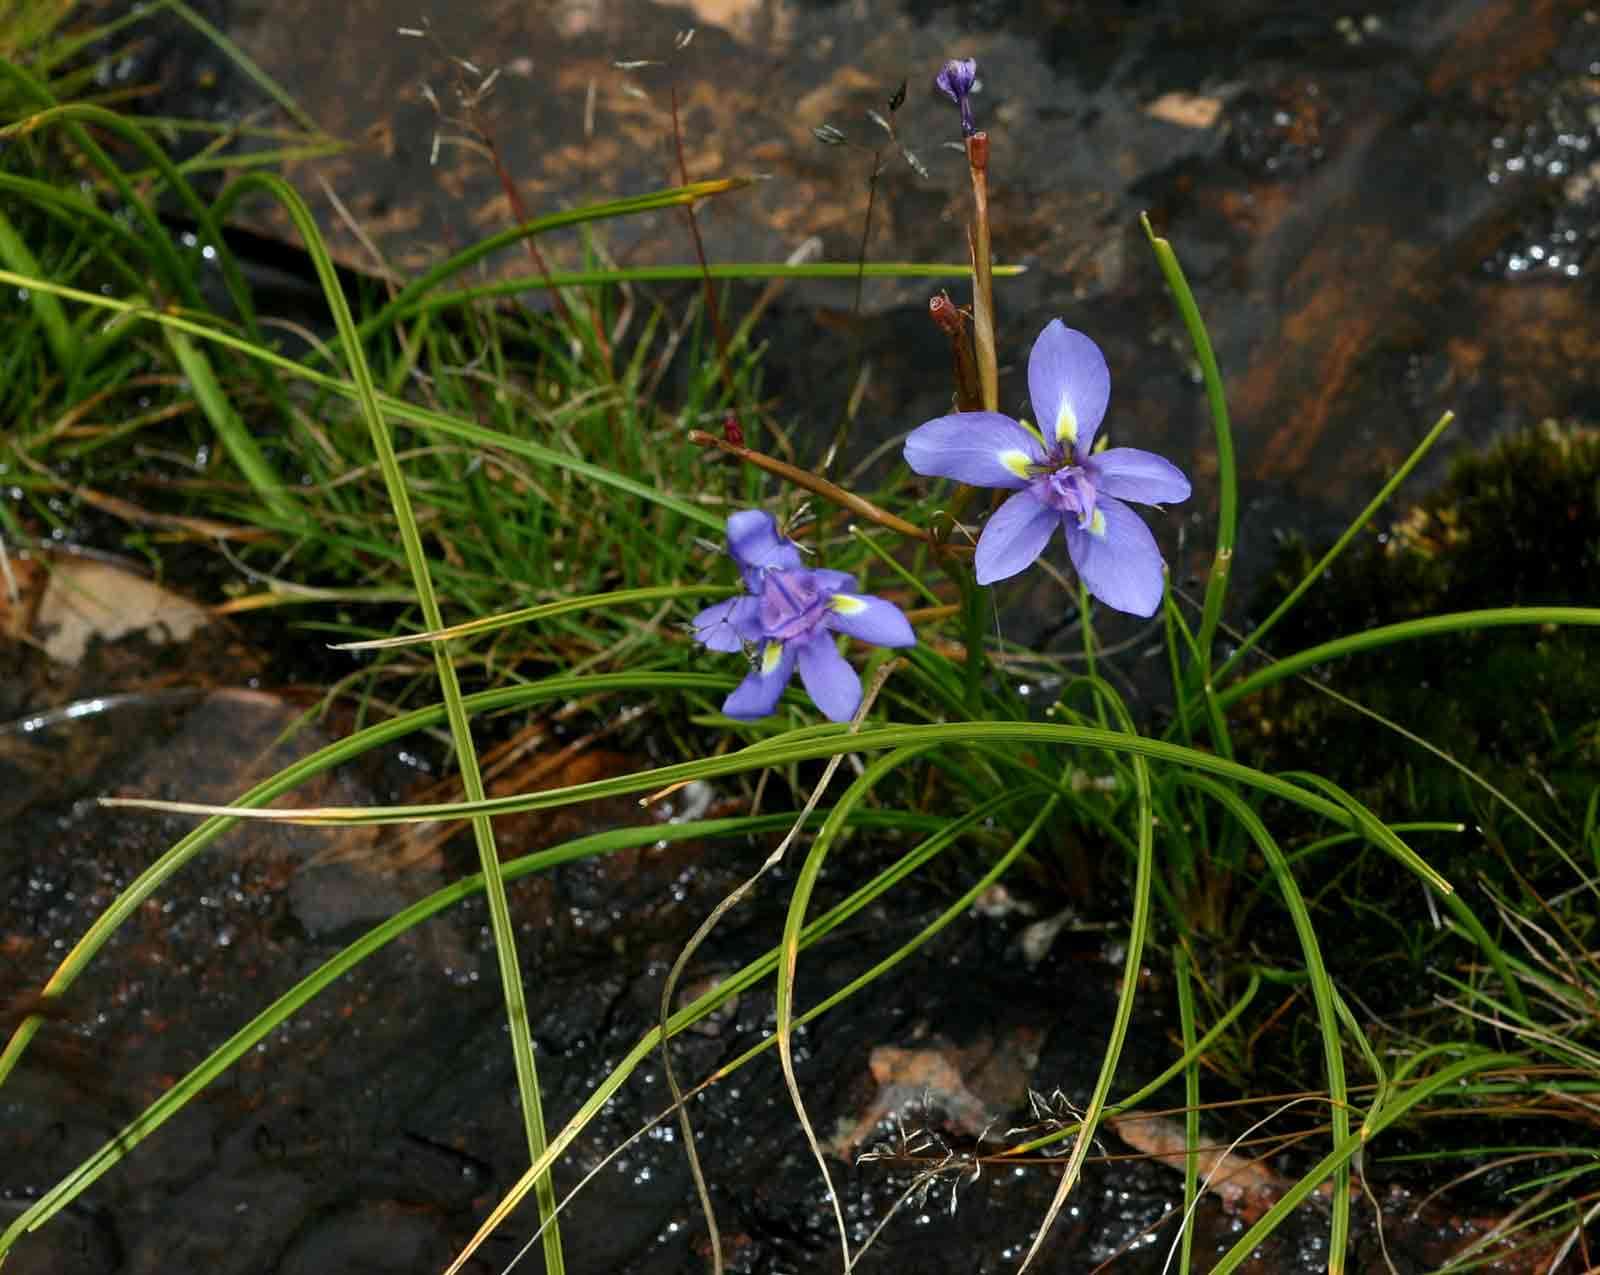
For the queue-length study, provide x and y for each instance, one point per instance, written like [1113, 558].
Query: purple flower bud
[957, 79]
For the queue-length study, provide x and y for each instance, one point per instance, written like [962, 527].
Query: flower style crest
[787, 618]
[1058, 479]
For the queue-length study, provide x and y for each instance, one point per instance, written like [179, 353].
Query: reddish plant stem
[855, 313]
[820, 486]
[519, 210]
[718, 334]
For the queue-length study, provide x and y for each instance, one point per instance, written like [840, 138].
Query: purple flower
[788, 616]
[956, 79]
[1061, 483]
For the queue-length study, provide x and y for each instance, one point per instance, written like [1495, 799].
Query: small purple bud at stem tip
[956, 80]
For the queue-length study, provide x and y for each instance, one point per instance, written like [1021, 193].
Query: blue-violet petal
[1069, 386]
[984, 449]
[1121, 566]
[727, 626]
[870, 619]
[1130, 473]
[1014, 537]
[830, 681]
[758, 694]
[756, 544]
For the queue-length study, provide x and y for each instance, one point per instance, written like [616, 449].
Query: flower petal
[756, 544]
[828, 678]
[1117, 557]
[758, 694]
[871, 619]
[727, 626]
[1069, 385]
[956, 77]
[834, 581]
[1014, 537]
[1132, 474]
[984, 449]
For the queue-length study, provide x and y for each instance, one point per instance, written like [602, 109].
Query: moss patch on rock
[1516, 525]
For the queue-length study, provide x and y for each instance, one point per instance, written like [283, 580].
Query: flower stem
[982, 273]
[972, 621]
[988, 394]
[821, 487]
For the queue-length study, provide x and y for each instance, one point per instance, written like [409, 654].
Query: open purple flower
[957, 79]
[1059, 482]
[787, 617]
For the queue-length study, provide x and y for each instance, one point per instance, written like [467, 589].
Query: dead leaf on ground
[1186, 110]
[85, 599]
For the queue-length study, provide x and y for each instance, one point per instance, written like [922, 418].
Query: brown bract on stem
[821, 487]
[947, 317]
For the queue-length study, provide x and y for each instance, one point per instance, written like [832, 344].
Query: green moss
[1518, 524]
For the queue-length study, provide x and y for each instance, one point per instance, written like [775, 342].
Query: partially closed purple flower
[1059, 482]
[956, 80]
[787, 617]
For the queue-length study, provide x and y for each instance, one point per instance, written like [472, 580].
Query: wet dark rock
[1392, 215]
[83, 1243]
[1282, 133]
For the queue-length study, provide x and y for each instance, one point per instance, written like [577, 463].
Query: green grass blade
[46, 57]
[1174, 1069]
[1227, 466]
[1138, 932]
[307, 989]
[59, 335]
[1343, 1154]
[246, 64]
[1323, 996]
[156, 240]
[1251, 639]
[73, 116]
[237, 440]
[652, 1039]
[1405, 631]
[455, 712]
[794, 925]
[1191, 1104]
[545, 611]
[425, 284]
[259, 1028]
[954, 912]
[733, 271]
[1383, 836]
[782, 750]
[324, 759]
[395, 409]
